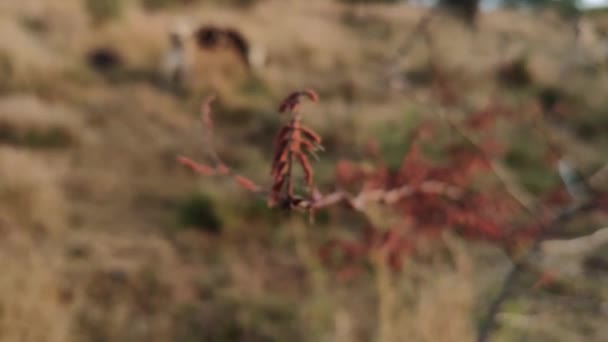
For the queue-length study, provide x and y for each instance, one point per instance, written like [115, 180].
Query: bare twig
[218, 167]
[420, 30]
[581, 245]
[417, 32]
[488, 323]
[360, 200]
[517, 194]
[207, 123]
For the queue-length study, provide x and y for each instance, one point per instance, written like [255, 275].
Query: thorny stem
[295, 120]
[288, 187]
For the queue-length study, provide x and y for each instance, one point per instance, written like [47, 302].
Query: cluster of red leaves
[291, 103]
[293, 143]
[425, 213]
[433, 205]
[427, 197]
[393, 244]
[491, 214]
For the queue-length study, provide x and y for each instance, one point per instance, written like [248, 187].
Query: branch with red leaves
[293, 144]
[522, 198]
[440, 199]
[425, 197]
[536, 235]
[218, 167]
[388, 196]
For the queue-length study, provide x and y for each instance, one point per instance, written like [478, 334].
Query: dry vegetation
[104, 237]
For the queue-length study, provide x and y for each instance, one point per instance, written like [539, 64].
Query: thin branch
[223, 171]
[578, 246]
[521, 264]
[359, 201]
[488, 323]
[516, 193]
[218, 167]
[207, 124]
[417, 32]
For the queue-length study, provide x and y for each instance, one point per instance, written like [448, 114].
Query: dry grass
[89, 287]
[31, 304]
[23, 61]
[89, 189]
[30, 192]
[428, 302]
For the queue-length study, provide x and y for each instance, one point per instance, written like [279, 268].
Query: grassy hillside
[104, 237]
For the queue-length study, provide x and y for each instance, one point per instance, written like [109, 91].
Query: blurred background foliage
[106, 238]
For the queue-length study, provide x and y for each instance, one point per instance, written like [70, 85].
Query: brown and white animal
[191, 47]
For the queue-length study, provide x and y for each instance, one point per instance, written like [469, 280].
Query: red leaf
[246, 183]
[292, 101]
[196, 167]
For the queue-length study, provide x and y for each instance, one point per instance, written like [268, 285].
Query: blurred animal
[184, 41]
[212, 37]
